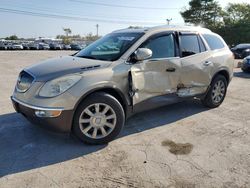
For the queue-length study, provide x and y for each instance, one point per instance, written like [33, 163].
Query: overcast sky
[47, 18]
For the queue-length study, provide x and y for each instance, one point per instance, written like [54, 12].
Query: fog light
[40, 113]
[48, 113]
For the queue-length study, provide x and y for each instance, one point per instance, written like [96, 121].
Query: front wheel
[216, 92]
[98, 119]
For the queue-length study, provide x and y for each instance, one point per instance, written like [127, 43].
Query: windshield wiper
[87, 56]
[91, 57]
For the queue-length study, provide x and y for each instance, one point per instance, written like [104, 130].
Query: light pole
[97, 27]
[168, 20]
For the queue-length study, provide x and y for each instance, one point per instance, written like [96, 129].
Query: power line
[75, 18]
[67, 11]
[122, 6]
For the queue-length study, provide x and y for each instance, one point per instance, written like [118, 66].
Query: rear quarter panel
[223, 60]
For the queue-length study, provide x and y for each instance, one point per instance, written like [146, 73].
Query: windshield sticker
[126, 38]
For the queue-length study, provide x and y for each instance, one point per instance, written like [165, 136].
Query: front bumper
[61, 122]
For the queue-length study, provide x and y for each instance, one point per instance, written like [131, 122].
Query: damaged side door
[197, 65]
[160, 74]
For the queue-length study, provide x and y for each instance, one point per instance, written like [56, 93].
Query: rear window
[189, 45]
[214, 41]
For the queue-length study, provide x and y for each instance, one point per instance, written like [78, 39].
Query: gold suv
[92, 92]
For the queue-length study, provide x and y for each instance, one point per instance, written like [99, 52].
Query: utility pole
[168, 20]
[97, 27]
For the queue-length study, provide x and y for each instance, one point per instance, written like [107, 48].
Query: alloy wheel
[97, 120]
[218, 91]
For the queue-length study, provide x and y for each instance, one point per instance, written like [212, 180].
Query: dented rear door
[197, 66]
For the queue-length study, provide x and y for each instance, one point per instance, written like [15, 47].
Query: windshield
[110, 47]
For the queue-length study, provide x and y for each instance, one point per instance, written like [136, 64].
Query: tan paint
[192, 76]
[195, 74]
[151, 79]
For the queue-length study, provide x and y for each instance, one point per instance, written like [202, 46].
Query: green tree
[91, 37]
[59, 36]
[236, 25]
[202, 12]
[237, 13]
[66, 39]
[12, 37]
[232, 23]
[67, 31]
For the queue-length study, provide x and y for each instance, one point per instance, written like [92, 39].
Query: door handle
[206, 63]
[171, 69]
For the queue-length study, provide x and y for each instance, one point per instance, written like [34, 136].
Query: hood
[53, 68]
[248, 57]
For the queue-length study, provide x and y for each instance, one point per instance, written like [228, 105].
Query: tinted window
[213, 41]
[162, 47]
[189, 45]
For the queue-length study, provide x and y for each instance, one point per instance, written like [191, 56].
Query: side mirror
[142, 54]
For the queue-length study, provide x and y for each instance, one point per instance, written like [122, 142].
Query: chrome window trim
[37, 107]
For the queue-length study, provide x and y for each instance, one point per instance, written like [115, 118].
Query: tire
[96, 115]
[210, 100]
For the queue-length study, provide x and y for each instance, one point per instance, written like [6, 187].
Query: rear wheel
[98, 119]
[216, 92]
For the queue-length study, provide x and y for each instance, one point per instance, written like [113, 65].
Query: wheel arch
[112, 91]
[224, 73]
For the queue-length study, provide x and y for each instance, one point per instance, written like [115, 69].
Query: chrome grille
[24, 82]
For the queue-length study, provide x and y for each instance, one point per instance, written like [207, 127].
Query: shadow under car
[24, 146]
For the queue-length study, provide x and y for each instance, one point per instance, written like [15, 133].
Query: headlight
[58, 86]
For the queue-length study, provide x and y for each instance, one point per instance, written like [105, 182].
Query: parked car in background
[241, 51]
[26, 46]
[66, 47]
[16, 46]
[9, 46]
[3, 46]
[43, 46]
[127, 71]
[76, 47]
[34, 46]
[55, 46]
[245, 66]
